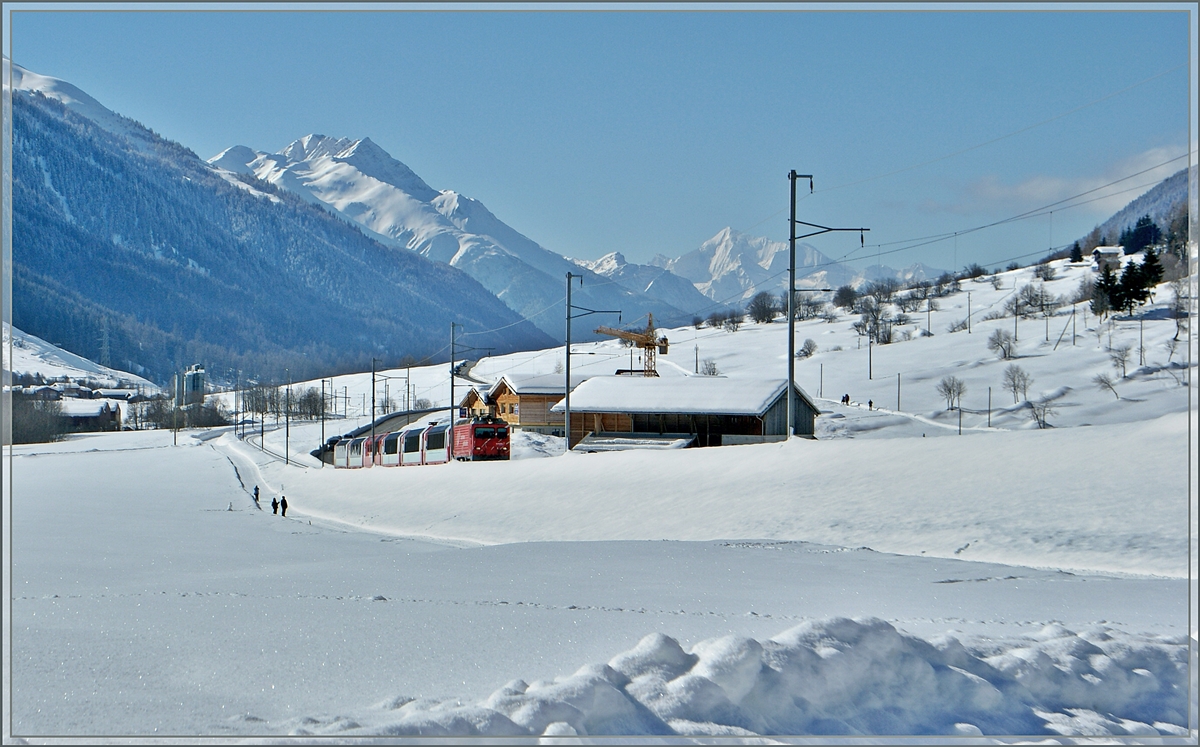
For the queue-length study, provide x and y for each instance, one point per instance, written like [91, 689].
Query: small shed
[526, 401]
[714, 410]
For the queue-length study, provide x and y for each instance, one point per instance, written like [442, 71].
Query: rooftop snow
[691, 394]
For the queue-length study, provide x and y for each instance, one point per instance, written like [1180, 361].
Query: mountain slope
[361, 182]
[178, 263]
[1159, 202]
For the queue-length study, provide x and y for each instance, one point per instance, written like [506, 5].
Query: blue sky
[648, 131]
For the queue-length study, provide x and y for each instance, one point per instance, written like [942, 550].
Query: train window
[501, 433]
[485, 433]
[390, 443]
[412, 442]
[436, 440]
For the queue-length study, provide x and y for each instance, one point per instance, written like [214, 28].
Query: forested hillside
[135, 253]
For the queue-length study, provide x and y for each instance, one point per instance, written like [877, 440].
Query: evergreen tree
[1130, 290]
[1076, 253]
[1103, 291]
[1151, 270]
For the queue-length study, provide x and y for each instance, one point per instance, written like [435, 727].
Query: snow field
[1028, 498]
[151, 597]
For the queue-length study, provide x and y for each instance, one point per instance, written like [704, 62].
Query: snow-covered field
[889, 578]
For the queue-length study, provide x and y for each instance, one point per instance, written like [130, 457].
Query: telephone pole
[567, 355]
[792, 290]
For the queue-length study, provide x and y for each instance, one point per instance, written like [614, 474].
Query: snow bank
[837, 676]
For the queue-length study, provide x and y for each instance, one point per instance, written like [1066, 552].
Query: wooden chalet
[91, 415]
[475, 404]
[699, 410]
[527, 402]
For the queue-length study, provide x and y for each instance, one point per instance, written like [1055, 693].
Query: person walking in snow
[283, 505]
[256, 495]
[870, 404]
[274, 506]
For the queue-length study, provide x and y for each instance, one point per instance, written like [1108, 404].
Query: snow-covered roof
[87, 408]
[688, 394]
[540, 384]
[1113, 250]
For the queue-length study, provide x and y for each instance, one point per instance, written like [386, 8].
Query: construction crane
[648, 341]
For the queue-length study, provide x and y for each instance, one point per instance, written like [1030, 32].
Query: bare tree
[1042, 410]
[1017, 381]
[733, 321]
[1120, 358]
[1179, 305]
[807, 350]
[1002, 343]
[709, 368]
[1104, 381]
[762, 308]
[952, 388]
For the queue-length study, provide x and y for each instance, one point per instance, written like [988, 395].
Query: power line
[988, 142]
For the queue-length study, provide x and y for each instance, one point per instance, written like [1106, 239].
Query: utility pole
[960, 417]
[373, 361]
[968, 313]
[791, 299]
[452, 326]
[1141, 340]
[821, 384]
[567, 356]
[989, 407]
[898, 393]
[287, 420]
[697, 359]
[1073, 325]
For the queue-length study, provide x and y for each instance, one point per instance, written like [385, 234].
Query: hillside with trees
[136, 254]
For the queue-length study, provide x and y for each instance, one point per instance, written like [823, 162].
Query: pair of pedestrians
[276, 506]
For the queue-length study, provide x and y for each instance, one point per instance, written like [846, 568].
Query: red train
[481, 438]
[473, 440]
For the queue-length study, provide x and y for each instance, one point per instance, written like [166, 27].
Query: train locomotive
[477, 439]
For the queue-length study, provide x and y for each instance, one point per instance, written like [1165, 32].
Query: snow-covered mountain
[731, 267]
[360, 181]
[653, 281]
[32, 355]
[1161, 202]
[129, 244]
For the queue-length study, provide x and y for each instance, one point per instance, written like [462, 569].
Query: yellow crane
[648, 341]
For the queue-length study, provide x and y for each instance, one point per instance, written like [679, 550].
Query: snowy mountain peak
[607, 265]
[236, 159]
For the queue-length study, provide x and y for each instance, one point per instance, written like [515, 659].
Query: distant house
[127, 395]
[703, 410]
[525, 402]
[1108, 255]
[474, 404]
[71, 389]
[91, 415]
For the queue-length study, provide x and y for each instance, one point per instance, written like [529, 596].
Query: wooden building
[527, 402]
[91, 415]
[711, 410]
[474, 405]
